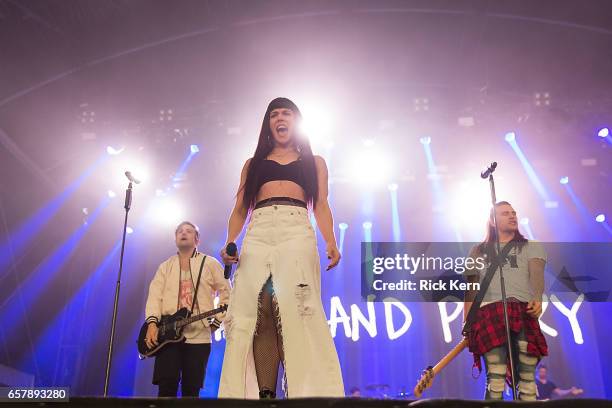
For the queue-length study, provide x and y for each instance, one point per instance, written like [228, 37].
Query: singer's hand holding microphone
[230, 256]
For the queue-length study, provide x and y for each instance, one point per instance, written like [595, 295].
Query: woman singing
[275, 313]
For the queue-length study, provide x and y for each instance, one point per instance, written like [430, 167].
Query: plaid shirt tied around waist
[489, 331]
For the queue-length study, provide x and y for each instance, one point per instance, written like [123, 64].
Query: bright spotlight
[367, 225]
[113, 152]
[510, 137]
[471, 204]
[111, 194]
[368, 142]
[194, 149]
[564, 180]
[316, 123]
[524, 221]
[129, 230]
[600, 218]
[392, 187]
[370, 167]
[343, 225]
[167, 211]
[425, 140]
[603, 132]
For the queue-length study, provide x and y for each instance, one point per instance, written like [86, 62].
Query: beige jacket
[164, 293]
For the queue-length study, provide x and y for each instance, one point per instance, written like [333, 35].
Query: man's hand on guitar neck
[151, 337]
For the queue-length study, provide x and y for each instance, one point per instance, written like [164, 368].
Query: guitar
[170, 329]
[430, 372]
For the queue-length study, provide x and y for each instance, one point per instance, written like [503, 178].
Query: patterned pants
[496, 361]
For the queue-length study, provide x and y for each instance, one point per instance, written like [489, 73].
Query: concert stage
[314, 403]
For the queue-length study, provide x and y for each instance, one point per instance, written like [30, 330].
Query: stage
[404, 104]
[314, 403]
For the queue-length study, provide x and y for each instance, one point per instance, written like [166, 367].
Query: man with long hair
[524, 280]
[276, 315]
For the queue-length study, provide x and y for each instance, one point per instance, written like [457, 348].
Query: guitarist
[173, 287]
[524, 280]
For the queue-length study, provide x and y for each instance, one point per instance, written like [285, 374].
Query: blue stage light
[194, 149]
[603, 132]
[425, 140]
[510, 137]
[600, 218]
[564, 180]
[392, 187]
[367, 225]
[343, 225]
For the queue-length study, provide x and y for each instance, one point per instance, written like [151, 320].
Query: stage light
[531, 172]
[167, 211]
[524, 221]
[85, 211]
[111, 151]
[603, 132]
[600, 218]
[343, 225]
[421, 104]
[471, 204]
[367, 225]
[425, 140]
[564, 180]
[194, 149]
[316, 124]
[129, 230]
[368, 142]
[111, 194]
[395, 212]
[370, 167]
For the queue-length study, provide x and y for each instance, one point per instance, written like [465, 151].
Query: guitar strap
[484, 285]
[195, 295]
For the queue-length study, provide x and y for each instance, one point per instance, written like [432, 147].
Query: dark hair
[265, 146]
[197, 230]
[487, 245]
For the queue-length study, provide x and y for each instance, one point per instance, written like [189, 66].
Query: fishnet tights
[268, 341]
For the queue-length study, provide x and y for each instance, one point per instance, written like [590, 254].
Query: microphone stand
[490, 171]
[128, 204]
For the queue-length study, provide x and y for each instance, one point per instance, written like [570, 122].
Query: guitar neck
[450, 356]
[201, 316]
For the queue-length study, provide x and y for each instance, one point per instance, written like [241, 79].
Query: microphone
[230, 249]
[130, 177]
[486, 173]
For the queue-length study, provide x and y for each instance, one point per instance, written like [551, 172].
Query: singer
[276, 314]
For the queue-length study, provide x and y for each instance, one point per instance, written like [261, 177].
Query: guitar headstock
[424, 382]
[223, 307]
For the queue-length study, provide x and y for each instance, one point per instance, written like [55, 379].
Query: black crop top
[270, 170]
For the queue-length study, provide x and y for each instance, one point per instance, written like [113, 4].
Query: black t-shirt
[545, 390]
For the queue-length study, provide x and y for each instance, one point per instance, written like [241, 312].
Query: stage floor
[310, 403]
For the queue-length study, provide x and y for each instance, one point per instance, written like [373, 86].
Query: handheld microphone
[130, 177]
[486, 173]
[230, 249]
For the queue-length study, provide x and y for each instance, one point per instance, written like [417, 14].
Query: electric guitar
[170, 329]
[430, 372]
